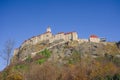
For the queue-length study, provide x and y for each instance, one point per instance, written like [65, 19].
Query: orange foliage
[14, 76]
[102, 70]
[42, 72]
[81, 70]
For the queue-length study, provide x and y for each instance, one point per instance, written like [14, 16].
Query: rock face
[27, 50]
[62, 50]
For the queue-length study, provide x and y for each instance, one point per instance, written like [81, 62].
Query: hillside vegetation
[65, 61]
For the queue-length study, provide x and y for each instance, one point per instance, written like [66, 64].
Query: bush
[0, 75]
[4, 74]
[103, 70]
[108, 77]
[42, 72]
[116, 77]
[117, 61]
[29, 59]
[14, 76]
[20, 66]
[40, 61]
[75, 57]
[46, 53]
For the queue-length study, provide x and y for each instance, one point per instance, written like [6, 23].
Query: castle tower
[48, 29]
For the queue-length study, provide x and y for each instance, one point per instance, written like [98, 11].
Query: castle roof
[60, 33]
[69, 32]
[43, 34]
[33, 36]
[46, 32]
[93, 36]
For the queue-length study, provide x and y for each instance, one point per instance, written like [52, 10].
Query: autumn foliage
[83, 70]
[79, 69]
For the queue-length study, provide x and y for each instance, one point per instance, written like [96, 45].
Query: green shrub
[4, 75]
[46, 53]
[28, 59]
[116, 77]
[20, 66]
[14, 76]
[70, 62]
[117, 61]
[76, 56]
[40, 61]
[108, 77]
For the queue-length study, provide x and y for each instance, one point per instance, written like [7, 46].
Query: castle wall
[74, 36]
[33, 40]
[83, 40]
[24, 43]
[68, 36]
[60, 36]
[46, 36]
[51, 39]
[39, 38]
[16, 51]
[97, 40]
[71, 36]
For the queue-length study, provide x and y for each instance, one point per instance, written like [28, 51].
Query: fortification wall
[59, 36]
[97, 40]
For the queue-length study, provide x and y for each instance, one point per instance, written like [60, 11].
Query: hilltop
[61, 49]
[48, 40]
[64, 58]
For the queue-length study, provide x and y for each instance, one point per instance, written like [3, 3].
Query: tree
[7, 51]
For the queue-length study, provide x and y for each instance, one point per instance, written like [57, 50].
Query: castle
[70, 36]
[50, 37]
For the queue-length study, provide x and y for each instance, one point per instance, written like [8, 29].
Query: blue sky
[22, 19]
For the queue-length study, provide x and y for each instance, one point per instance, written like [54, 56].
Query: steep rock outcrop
[61, 50]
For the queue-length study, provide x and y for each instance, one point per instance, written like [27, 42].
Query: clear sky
[22, 19]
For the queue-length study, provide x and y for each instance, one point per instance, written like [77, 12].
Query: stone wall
[16, 51]
[97, 40]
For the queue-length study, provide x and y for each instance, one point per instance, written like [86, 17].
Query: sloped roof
[69, 33]
[93, 36]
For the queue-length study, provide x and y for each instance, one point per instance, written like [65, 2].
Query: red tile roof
[69, 33]
[60, 33]
[93, 36]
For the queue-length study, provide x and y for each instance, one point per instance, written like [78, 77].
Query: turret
[48, 29]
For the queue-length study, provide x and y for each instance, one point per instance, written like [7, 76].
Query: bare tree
[7, 51]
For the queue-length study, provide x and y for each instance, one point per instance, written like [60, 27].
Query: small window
[70, 37]
[47, 35]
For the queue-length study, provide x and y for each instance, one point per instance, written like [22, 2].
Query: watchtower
[48, 29]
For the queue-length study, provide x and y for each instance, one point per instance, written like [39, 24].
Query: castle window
[47, 35]
[70, 37]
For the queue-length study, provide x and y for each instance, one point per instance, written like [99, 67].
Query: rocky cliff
[60, 60]
[61, 50]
